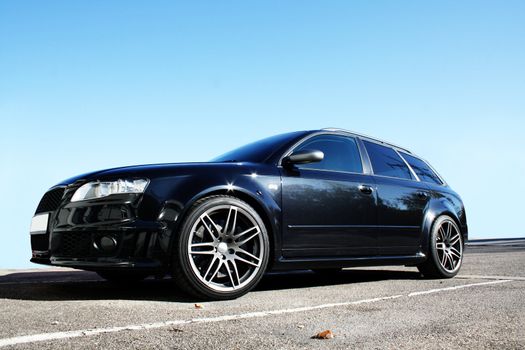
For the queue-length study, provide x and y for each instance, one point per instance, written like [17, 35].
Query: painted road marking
[485, 277]
[95, 331]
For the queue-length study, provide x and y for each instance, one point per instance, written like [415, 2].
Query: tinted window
[385, 161]
[422, 170]
[340, 153]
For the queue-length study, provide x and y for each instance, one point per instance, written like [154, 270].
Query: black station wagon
[321, 200]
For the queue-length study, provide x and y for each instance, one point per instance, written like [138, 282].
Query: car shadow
[82, 285]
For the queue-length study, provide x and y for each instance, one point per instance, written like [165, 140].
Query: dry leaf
[199, 306]
[328, 334]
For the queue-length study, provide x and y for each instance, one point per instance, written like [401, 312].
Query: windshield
[260, 151]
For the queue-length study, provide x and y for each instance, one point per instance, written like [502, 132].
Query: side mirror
[304, 156]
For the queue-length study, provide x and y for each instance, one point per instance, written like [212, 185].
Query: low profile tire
[222, 249]
[122, 276]
[445, 251]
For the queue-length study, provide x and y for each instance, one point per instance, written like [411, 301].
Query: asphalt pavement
[365, 308]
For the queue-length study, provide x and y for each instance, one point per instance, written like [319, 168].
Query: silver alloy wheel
[449, 246]
[225, 248]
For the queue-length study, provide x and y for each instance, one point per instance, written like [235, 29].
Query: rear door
[329, 208]
[402, 200]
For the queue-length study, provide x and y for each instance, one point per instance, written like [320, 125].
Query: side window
[423, 171]
[340, 153]
[385, 161]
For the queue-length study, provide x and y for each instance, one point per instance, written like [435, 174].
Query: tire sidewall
[181, 252]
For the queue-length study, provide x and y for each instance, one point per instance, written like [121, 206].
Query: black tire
[434, 267]
[184, 270]
[123, 276]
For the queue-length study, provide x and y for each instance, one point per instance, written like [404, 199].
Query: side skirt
[323, 262]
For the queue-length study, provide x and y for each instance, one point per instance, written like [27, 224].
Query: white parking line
[94, 331]
[446, 289]
[485, 277]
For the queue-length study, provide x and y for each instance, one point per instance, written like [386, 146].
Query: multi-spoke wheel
[446, 250]
[222, 249]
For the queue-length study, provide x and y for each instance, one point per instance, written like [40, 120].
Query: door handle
[365, 189]
[422, 194]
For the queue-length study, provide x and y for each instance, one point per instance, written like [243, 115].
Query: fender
[436, 208]
[254, 190]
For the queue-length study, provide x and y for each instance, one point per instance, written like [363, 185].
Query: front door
[329, 207]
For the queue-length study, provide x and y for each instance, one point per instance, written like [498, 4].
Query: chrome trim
[367, 164]
[292, 226]
[367, 137]
[318, 133]
[443, 182]
[408, 165]
[416, 179]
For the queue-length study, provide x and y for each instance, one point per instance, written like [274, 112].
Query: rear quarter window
[422, 170]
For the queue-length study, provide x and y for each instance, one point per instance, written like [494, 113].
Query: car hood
[149, 171]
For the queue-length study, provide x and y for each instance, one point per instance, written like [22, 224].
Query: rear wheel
[222, 249]
[446, 250]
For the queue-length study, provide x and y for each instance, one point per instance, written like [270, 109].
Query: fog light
[106, 244]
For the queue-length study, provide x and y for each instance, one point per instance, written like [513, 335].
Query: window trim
[365, 157]
[412, 171]
[366, 168]
[415, 179]
[443, 183]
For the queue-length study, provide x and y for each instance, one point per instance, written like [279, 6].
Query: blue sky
[86, 85]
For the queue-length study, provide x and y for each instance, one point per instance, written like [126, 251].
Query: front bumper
[99, 235]
[137, 245]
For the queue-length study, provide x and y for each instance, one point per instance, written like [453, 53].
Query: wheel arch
[245, 195]
[436, 209]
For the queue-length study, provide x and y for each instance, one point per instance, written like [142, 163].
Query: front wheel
[222, 249]
[446, 250]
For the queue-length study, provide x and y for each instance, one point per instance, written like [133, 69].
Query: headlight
[99, 189]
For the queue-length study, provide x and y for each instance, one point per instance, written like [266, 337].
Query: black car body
[327, 198]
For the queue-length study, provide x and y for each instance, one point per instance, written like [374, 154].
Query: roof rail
[368, 137]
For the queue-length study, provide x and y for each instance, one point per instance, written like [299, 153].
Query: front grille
[51, 200]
